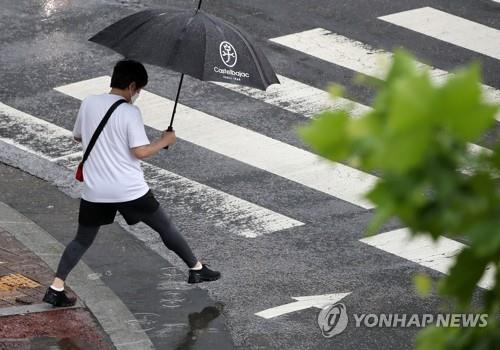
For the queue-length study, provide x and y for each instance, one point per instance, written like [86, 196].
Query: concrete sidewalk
[25, 321]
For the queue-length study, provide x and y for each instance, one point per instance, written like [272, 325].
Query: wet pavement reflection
[199, 321]
[49, 7]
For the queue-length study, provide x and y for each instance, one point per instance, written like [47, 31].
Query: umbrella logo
[228, 54]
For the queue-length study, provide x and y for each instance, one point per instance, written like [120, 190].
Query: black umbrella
[191, 42]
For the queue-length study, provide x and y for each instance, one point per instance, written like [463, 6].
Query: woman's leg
[173, 240]
[74, 251]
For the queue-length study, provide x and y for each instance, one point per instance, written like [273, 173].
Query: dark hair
[128, 71]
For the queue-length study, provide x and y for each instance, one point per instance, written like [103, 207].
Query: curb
[106, 307]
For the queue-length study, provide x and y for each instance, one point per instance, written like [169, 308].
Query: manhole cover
[16, 280]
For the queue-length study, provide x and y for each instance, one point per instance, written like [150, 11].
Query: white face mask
[134, 98]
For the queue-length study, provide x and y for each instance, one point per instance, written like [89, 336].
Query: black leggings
[158, 221]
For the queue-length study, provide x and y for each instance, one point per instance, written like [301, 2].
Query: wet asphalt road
[43, 45]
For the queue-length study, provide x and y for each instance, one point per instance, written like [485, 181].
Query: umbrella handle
[170, 128]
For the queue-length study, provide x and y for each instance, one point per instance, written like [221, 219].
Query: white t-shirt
[111, 172]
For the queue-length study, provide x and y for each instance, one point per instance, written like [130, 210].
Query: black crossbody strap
[98, 131]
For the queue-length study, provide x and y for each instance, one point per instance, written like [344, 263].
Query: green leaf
[403, 65]
[423, 284]
[460, 105]
[336, 90]
[464, 275]
[382, 215]
[404, 151]
[411, 104]
[328, 135]
[433, 338]
[485, 238]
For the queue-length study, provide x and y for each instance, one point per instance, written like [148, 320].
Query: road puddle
[198, 324]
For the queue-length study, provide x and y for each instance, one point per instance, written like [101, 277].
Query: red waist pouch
[79, 172]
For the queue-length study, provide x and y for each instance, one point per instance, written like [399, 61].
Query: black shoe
[57, 298]
[202, 275]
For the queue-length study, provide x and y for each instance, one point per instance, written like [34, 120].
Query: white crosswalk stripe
[356, 56]
[449, 28]
[234, 215]
[298, 97]
[56, 142]
[437, 255]
[342, 51]
[244, 145]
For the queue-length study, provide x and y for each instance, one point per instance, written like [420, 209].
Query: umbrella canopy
[190, 42]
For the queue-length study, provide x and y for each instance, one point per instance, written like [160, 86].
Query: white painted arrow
[318, 301]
